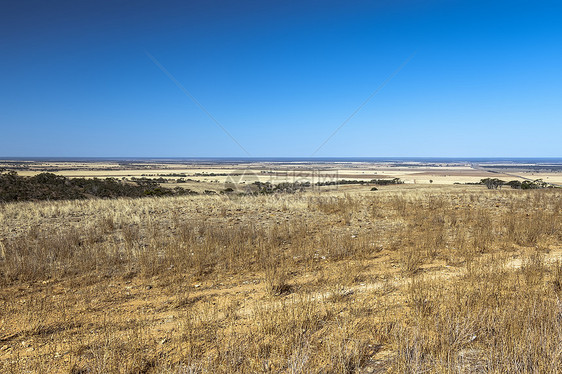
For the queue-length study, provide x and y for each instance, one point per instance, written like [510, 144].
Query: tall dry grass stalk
[403, 281]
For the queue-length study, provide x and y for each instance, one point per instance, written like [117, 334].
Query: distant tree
[492, 183]
[514, 184]
[385, 182]
[532, 185]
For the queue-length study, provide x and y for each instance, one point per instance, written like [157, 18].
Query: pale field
[408, 279]
[280, 172]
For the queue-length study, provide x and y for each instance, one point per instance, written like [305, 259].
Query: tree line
[49, 186]
[495, 183]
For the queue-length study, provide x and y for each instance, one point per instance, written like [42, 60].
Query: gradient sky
[76, 78]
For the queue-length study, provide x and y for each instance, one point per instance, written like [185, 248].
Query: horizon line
[2, 158]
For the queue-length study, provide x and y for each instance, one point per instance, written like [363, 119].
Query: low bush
[48, 186]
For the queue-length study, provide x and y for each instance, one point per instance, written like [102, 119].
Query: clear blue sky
[281, 76]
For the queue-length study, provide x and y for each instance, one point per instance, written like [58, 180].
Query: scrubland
[400, 280]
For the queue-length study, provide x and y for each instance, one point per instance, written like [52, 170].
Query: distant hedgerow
[48, 186]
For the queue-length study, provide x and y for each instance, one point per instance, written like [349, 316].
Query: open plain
[215, 171]
[339, 279]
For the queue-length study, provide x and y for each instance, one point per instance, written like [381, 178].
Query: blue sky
[281, 76]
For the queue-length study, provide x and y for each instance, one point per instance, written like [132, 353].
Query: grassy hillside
[398, 280]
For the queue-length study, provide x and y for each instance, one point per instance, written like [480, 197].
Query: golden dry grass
[400, 280]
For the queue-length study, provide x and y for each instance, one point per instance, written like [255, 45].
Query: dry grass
[404, 280]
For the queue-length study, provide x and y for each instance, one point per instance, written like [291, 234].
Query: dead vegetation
[404, 281]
